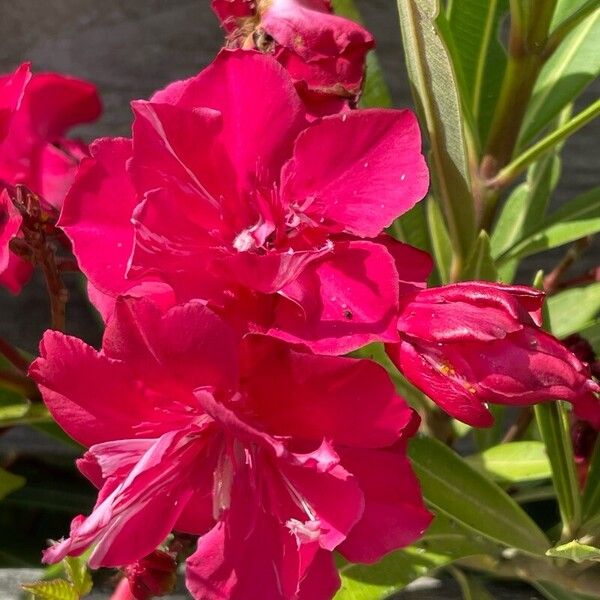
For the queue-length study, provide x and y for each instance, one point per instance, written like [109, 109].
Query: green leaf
[514, 462]
[591, 493]
[57, 589]
[552, 421]
[574, 309]
[574, 65]
[575, 551]
[411, 228]
[9, 483]
[376, 91]
[78, 574]
[474, 25]
[23, 412]
[577, 219]
[441, 245]
[444, 543]
[436, 97]
[472, 499]
[592, 335]
[391, 574]
[481, 265]
[526, 206]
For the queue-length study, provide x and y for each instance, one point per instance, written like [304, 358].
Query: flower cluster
[235, 247]
[35, 113]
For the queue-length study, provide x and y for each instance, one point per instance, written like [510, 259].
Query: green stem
[560, 33]
[536, 569]
[13, 356]
[530, 23]
[509, 173]
[18, 383]
[553, 423]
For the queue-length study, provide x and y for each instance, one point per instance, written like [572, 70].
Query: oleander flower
[274, 221]
[469, 344]
[35, 113]
[324, 51]
[273, 457]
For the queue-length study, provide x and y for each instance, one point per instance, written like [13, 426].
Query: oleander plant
[321, 374]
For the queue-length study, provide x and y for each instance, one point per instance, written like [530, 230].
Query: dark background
[129, 48]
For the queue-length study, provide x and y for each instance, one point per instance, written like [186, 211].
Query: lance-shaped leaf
[9, 483]
[574, 309]
[515, 462]
[434, 87]
[445, 542]
[441, 245]
[591, 494]
[578, 218]
[474, 25]
[481, 266]
[572, 67]
[458, 490]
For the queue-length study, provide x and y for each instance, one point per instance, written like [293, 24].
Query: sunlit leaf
[569, 71]
[481, 265]
[436, 96]
[444, 543]
[482, 59]
[514, 462]
[578, 218]
[575, 551]
[471, 498]
[574, 309]
[58, 589]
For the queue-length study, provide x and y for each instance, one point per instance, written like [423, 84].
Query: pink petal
[334, 496]
[327, 51]
[229, 11]
[325, 396]
[234, 84]
[10, 223]
[249, 556]
[414, 266]
[51, 105]
[16, 274]
[12, 88]
[171, 242]
[342, 302]
[97, 212]
[166, 154]
[182, 349]
[360, 169]
[64, 372]
[394, 514]
[321, 580]
[454, 394]
[56, 173]
[149, 494]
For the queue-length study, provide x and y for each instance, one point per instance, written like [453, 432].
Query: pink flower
[324, 51]
[35, 113]
[275, 458]
[468, 344]
[282, 216]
